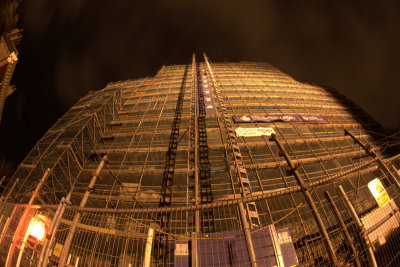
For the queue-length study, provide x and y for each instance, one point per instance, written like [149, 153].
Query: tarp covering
[230, 248]
[257, 131]
[277, 118]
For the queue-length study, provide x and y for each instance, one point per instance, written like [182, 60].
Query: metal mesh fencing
[118, 237]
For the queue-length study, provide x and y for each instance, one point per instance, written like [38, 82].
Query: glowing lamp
[38, 227]
[37, 230]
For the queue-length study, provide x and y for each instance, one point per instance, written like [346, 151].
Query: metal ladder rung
[242, 171]
[253, 214]
[252, 207]
[245, 191]
[255, 222]
[239, 163]
[235, 147]
[238, 155]
[244, 180]
[246, 185]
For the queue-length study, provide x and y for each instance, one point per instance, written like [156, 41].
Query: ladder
[244, 182]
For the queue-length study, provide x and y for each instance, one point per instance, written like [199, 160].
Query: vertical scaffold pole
[77, 216]
[193, 141]
[22, 222]
[249, 241]
[44, 255]
[2, 180]
[305, 189]
[343, 225]
[149, 246]
[353, 213]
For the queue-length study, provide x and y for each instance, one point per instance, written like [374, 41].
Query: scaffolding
[155, 172]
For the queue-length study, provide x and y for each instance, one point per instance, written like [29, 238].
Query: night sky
[71, 47]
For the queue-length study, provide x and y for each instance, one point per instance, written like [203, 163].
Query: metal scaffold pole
[149, 246]
[77, 216]
[249, 241]
[45, 253]
[353, 213]
[193, 160]
[305, 189]
[343, 225]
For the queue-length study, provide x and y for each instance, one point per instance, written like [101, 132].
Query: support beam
[6, 225]
[247, 235]
[276, 246]
[77, 216]
[193, 144]
[2, 180]
[50, 237]
[215, 146]
[236, 198]
[305, 186]
[185, 116]
[343, 225]
[264, 165]
[148, 247]
[353, 213]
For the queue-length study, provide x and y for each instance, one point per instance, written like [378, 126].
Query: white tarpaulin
[259, 131]
[377, 221]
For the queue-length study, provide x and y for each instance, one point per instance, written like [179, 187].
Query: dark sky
[71, 47]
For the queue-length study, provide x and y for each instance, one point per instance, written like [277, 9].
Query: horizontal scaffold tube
[256, 196]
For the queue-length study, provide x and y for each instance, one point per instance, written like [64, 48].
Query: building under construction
[206, 164]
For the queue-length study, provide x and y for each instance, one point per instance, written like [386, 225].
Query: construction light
[37, 230]
[38, 227]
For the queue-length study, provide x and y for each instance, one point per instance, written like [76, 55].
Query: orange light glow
[37, 229]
